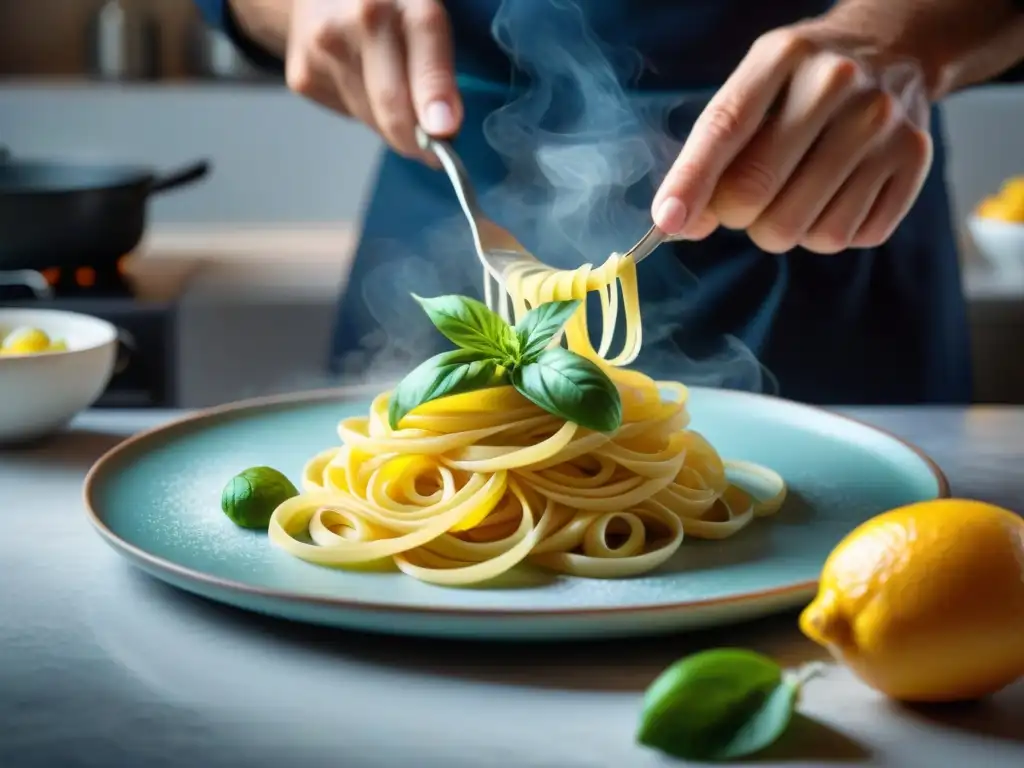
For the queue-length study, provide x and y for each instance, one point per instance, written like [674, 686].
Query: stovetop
[53, 284]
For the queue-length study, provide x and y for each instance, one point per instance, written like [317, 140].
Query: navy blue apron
[885, 325]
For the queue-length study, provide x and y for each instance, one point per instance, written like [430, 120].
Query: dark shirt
[884, 325]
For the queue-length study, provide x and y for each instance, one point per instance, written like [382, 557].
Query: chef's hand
[387, 63]
[811, 142]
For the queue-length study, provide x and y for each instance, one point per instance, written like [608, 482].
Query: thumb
[430, 58]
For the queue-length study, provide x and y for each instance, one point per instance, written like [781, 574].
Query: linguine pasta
[471, 485]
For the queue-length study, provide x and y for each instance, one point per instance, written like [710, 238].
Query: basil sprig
[719, 705]
[570, 386]
[470, 325]
[492, 353]
[539, 326]
[449, 373]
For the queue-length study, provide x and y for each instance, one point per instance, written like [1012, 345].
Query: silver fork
[495, 246]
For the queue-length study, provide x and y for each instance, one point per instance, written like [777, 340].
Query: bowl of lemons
[997, 227]
[53, 365]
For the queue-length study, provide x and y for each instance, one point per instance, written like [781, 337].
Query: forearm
[958, 43]
[264, 22]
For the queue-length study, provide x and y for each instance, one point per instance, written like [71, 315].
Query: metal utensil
[124, 43]
[495, 246]
[647, 244]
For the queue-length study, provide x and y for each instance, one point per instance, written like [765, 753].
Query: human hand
[816, 140]
[387, 63]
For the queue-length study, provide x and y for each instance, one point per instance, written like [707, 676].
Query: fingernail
[438, 118]
[670, 217]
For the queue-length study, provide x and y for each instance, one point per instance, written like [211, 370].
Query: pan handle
[126, 349]
[181, 177]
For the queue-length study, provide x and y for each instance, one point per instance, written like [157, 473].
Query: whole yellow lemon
[1012, 187]
[1009, 209]
[1007, 205]
[25, 341]
[926, 603]
[989, 208]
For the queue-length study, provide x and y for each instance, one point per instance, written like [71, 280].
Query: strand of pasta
[470, 486]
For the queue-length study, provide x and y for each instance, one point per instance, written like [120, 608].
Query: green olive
[250, 497]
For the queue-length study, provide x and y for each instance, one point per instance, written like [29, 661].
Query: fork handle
[650, 242]
[459, 178]
[454, 168]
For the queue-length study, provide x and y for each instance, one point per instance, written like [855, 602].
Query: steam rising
[575, 146]
[584, 157]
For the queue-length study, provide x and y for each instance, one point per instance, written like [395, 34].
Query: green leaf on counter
[718, 705]
[541, 324]
[469, 324]
[449, 373]
[572, 387]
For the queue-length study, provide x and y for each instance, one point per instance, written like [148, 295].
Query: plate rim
[108, 460]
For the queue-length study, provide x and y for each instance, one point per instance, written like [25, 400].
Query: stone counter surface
[101, 665]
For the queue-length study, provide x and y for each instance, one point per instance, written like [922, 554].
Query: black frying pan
[62, 214]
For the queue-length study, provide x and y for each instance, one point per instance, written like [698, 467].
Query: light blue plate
[155, 499]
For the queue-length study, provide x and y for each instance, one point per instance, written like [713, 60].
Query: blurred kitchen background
[232, 291]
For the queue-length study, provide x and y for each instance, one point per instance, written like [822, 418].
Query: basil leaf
[540, 325]
[471, 325]
[449, 373]
[250, 497]
[717, 705]
[570, 386]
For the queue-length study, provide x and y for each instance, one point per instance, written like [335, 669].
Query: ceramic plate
[156, 499]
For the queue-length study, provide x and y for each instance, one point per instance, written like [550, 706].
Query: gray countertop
[103, 666]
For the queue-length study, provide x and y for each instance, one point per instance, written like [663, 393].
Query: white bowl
[40, 394]
[1000, 242]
